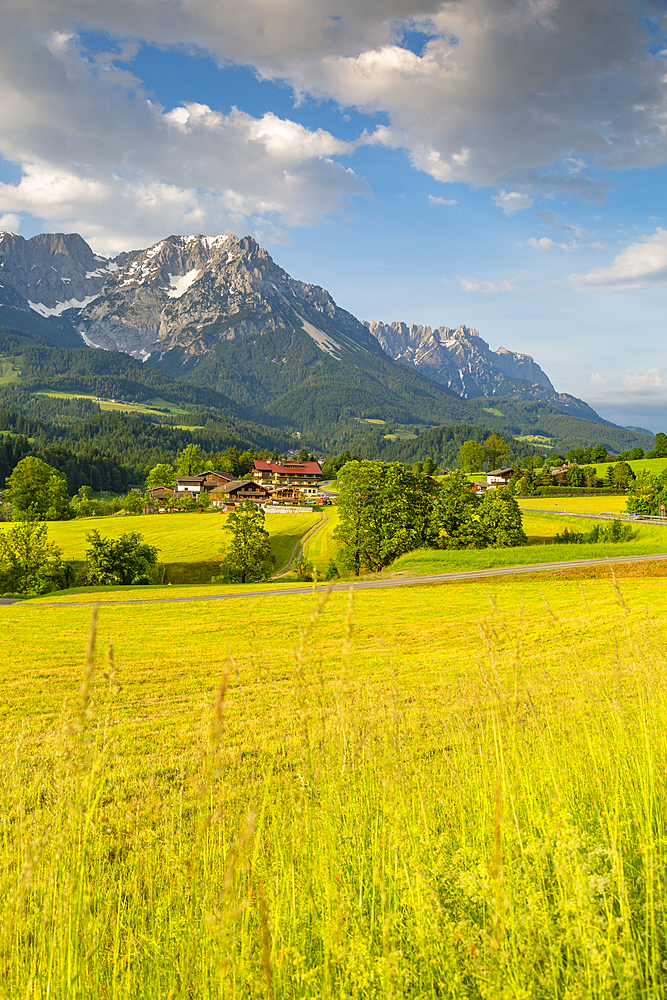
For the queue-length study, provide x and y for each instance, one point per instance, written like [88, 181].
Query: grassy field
[189, 544]
[655, 465]
[540, 529]
[434, 792]
[150, 407]
[575, 505]
[9, 371]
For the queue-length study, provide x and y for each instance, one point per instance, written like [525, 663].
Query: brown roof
[237, 484]
[202, 476]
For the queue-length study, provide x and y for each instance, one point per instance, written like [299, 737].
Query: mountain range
[219, 313]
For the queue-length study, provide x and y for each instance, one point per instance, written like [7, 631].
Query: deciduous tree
[38, 492]
[119, 561]
[247, 558]
[471, 456]
[500, 518]
[29, 563]
[497, 450]
[190, 461]
[164, 475]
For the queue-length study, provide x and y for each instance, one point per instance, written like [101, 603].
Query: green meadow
[151, 405]
[190, 544]
[453, 791]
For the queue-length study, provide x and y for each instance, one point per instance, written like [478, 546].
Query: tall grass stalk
[498, 835]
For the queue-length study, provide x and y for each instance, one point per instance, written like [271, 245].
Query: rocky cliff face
[52, 272]
[459, 359]
[187, 293]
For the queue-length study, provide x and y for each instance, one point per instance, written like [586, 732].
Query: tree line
[386, 510]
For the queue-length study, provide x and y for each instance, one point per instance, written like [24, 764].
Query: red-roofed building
[286, 473]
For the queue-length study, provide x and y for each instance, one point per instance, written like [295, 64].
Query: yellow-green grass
[400, 436]
[648, 541]
[322, 546]
[576, 505]
[441, 792]
[9, 371]
[189, 544]
[538, 439]
[149, 407]
[654, 465]
[540, 529]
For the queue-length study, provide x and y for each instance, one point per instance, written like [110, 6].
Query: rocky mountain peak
[459, 359]
[52, 272]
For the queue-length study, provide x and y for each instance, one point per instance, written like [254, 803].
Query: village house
[237, 491]
[499, 477]
[284, 494]
[305, 475]
[207, 481]
[559, 473]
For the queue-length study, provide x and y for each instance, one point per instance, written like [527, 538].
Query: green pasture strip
[575, 505]
[90, 595]
[322, 546]
[429, 561]
[149, 407]
[433, 792]
[10, 370]
[654, 465]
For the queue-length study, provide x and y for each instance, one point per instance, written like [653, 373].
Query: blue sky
[493, 163]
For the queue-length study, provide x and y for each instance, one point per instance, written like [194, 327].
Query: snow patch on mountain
[89, 343]
[181, 282]
[60, 307]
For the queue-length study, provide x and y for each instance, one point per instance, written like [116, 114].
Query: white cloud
[520, 95]
[488, 287]
[651, 382]
[598, 380]
[512, 201]
[599, 246]
[546, 244]
[10, 222]
[97, 156]
[638, 265]
[442, 201]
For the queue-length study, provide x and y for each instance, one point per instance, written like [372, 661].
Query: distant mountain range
[462, 361]
[218, 312]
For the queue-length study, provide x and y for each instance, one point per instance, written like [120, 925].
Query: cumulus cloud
[10, 222]
[639, 399]
[650, 382]
[99, 157]
[512, 201]
[522, 95]
[442, 201]
[488, 287]
[638, 265]
[546, 244]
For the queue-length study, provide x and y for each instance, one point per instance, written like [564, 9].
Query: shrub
[120, 561]
[29, 563]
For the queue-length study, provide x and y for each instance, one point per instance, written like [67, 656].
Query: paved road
[411, 581]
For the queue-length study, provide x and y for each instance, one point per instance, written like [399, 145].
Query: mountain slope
[218, 312]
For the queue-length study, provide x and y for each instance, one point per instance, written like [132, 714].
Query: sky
[500, 164]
